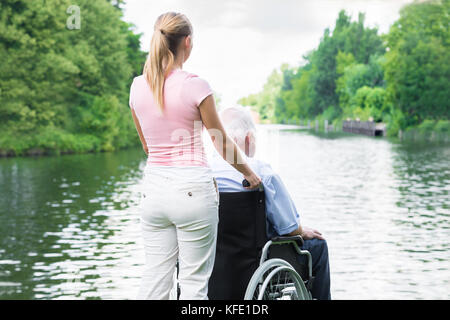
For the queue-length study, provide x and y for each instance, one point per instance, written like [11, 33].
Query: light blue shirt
[282, 216]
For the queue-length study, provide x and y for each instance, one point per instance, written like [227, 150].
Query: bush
[442, 126]
[429, 130]
[396, 121]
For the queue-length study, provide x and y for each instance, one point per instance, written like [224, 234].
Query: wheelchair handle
[246, 184]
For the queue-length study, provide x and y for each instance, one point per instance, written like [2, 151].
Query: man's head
[239, 125]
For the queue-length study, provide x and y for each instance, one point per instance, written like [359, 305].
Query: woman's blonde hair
[170, 28]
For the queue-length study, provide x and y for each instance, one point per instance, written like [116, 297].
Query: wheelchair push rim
[276, 279]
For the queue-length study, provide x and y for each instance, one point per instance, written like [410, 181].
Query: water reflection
[69, 225]
[60, 218]
[383, 208]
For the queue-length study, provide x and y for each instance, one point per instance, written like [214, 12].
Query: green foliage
[368, 103]
[349, 38]
[298, 100]
[266, 99]
[65, 90]
[429, 130]
[351, 75]
[442, 126]
[309, 90]
[417, 68]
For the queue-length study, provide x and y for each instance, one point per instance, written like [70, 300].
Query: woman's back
[180, 197]
[173, 138]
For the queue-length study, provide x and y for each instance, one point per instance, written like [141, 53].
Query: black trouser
[320, 268]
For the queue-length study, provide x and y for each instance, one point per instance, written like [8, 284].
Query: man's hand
[309, 233]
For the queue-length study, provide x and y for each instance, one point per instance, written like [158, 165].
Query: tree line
[63, 89]
[400, 78]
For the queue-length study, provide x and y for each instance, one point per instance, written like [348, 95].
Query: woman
[179, 212]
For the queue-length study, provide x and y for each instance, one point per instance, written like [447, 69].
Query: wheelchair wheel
[276, 279]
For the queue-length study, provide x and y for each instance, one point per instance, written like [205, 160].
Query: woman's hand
[254, 181]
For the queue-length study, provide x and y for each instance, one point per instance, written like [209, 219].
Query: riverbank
[58, 142]
[428, 131]
[39, 152]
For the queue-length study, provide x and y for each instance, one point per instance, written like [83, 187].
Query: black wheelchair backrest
[240, 238]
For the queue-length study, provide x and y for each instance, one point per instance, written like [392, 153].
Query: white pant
[179, 217]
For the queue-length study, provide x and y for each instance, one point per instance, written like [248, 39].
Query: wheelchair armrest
[287, 239]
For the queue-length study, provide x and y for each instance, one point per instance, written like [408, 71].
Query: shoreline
[37, 153]
[407, 136]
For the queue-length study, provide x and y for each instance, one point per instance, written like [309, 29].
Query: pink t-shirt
[174, 138]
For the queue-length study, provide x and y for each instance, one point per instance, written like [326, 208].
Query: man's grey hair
[238, 122]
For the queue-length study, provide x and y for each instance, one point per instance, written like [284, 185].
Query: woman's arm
[139, 130]
[211, 120]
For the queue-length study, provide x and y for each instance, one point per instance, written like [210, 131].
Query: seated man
[282, 216]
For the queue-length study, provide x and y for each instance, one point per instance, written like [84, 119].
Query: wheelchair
[248, 265]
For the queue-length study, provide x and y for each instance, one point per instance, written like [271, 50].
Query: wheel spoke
[276, 279]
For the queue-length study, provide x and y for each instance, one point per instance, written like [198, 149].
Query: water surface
[69, 225]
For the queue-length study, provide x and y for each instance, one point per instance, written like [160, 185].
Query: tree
[353, 76]
[265, 100]
[417, 69]
[70, 82]
[347, 37]
[312, 88]
[368, 103]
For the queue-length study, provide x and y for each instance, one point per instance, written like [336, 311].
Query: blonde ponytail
[170, 29]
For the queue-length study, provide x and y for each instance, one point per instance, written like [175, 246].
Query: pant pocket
[217, 191]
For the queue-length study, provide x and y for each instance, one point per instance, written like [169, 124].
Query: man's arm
[280, 207]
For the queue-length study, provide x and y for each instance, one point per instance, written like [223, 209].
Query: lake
[69, 225]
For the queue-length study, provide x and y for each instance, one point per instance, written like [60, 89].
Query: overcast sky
[238, 43]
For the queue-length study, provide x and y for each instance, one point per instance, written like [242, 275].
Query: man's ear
[187, 41]
[250, 144]
[247, 144]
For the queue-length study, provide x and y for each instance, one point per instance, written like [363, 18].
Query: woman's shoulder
[182, 74]
[194, 87]
[138, 79]
[139, 84]
[191, 77]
